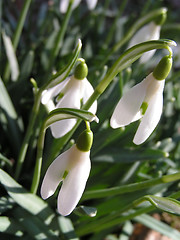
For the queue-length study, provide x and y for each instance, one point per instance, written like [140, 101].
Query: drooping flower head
[63, 6]
[143, 101]
[150, 31]
[71, 93]
[72, 168]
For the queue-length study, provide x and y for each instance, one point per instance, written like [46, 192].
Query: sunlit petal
[127, 109]
[74, 184]
[151, 117]
[47, 95]
[155, 35]
[88, 91]
[71, 99]
[65, 3]
[91, 4]
[54, 175]
[150, 31]
[60, 128]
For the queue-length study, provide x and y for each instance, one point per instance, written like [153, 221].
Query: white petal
[127, 109]
[150, 31]
[91, 4]
[71, 99]
[147, 56]
[54, 174]
[154, 35]
[65, 3]
[74, 184]
[50, 106]
[88, 91]
[47, 95]
[151, 117]
[60, 128]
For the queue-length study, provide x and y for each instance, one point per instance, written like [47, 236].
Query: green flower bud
[162, 18]
[84, 141]
[81, 71]
[163, 68]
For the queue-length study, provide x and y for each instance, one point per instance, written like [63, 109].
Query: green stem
[25, 143]
[60, 35]
[130, 187]
[17, 34]
[37, 171]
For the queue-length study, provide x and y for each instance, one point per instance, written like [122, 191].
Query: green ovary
[65, 174]
[60, 96]
[144, 107]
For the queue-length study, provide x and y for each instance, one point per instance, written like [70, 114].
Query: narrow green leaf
[166, 204]
[65, 113]
[14, 67]
[10, 226]
[127, 231]
[33, 225]
[67, 228]
[85, 211]
[158, 226]
[6, 203]
[26, 200]
[114, 155]
[133, 187]
[27, 65]
[9, 118]
[6, 160]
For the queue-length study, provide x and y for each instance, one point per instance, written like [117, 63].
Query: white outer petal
[127, 109]
[150, 31]
[91, 4]
[50, 106]
[63, 6]
[151, 117]
[88, 91]
[54, 174]
[75, 182]
[47, 95]
[155, 34]
[71, 99]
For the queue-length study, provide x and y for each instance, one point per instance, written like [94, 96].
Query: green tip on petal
[85, 140]
[163, 68]
[144, 107]
[162, 18]
[81, 71]
[65, 174]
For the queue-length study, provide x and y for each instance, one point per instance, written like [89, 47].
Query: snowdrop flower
[65, 3]
[72, 92]
[149, 32]
[143, 101]
[72, 168]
